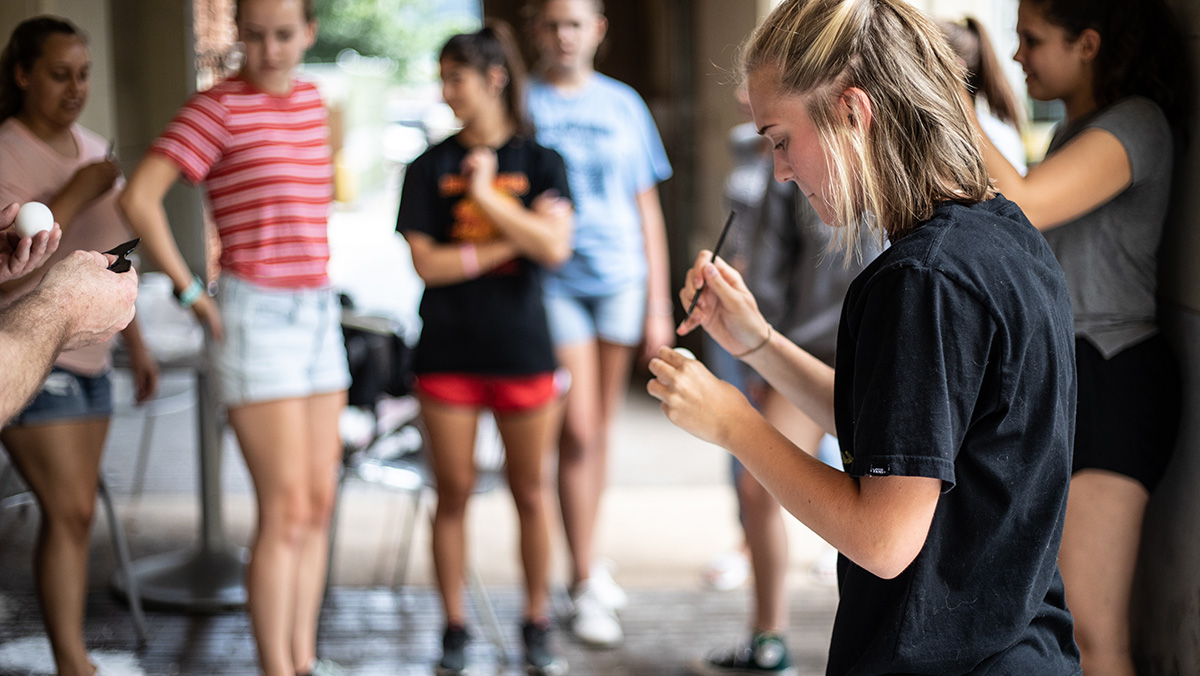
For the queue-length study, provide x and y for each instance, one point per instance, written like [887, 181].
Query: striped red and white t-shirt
[267, 168]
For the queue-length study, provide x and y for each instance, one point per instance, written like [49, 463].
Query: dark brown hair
[1142, 52]
[24, 48]
[985, 76]
[494, 45]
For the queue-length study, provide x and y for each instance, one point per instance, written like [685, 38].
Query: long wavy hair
[494, 45]
[920, 148]
[24, 48]
[985, 76]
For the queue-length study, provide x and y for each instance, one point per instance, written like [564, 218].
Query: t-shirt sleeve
[654, 167]
[1142, 128]
[196, 138]
[922, 349]
[417, 199]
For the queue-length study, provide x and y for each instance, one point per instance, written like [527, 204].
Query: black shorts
[1129, 410]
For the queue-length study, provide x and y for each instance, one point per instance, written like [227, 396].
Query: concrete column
[153, 53]
[1166, 611]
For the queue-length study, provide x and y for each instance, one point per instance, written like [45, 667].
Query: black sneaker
[765, 654]
[540, 660]
[454, 656]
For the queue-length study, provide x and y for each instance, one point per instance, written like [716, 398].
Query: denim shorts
[67, 396]
[616, 318]
[279, 343]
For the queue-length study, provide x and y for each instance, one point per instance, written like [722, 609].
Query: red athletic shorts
[502, 394]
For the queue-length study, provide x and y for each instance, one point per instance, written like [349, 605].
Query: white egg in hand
[33, 218]
[685, 352]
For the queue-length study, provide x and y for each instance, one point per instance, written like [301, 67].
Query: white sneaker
[728, 570]
[326, 668]
[116, 664]
[594, 622]
[605, 587]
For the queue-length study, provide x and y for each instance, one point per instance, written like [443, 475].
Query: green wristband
[191, 294]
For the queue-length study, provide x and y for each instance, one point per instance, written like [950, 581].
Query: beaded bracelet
[191, 294]
[756, 348]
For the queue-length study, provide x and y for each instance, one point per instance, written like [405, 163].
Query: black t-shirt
[956, 361]
[494, 324]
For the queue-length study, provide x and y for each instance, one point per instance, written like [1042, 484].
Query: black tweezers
[121, 251]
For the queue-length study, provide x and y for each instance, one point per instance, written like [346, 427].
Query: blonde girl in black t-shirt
[953, 392]
[483, 212]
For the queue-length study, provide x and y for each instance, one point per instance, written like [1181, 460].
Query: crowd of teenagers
[979, 338]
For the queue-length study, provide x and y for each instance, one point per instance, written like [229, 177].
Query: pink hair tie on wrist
[470, 260]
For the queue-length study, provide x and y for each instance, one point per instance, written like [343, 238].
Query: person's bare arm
[142, 204]
[79, 302]
[660, 316]
[89, 182]
[729, 313]
[441, 264]
[880, 523]
[540, 234]
[1084, 174]
[141, 362]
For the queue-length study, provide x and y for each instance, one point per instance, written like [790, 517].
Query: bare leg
[527, 440]
[763, 520]
[1098, 556]
[452, 453]
[599, 377]
[278, 445]
[61, 464]
[324, 455]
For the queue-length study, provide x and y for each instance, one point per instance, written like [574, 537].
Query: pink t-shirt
[266, 164]
[30, 170]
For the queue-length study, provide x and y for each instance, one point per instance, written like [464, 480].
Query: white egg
[685, 352]
[33, 218]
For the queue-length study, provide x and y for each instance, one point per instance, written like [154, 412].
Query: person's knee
[71, 515]
[322, 498]
[530, 500]
[581, 439]
[756, 501]
[452, 497]
[287, 516]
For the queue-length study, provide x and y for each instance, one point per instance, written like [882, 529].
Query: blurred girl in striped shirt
[259, 144]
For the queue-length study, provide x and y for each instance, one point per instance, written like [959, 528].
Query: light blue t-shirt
[613, 152]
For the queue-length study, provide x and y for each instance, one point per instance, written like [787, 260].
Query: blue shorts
[68, 396]
[617, 318]
[279, 343]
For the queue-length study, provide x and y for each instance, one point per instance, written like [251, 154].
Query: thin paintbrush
[715, 251]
